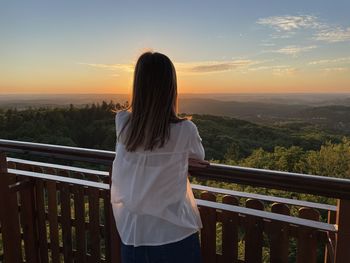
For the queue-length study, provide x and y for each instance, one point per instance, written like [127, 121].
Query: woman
[153, 204]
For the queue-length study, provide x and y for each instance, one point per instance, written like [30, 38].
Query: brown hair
[153, 104]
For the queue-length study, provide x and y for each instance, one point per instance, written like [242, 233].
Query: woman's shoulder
[121, 117]
[121, 114]
[188, 125]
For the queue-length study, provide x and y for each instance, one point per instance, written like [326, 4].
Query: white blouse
[151, 196]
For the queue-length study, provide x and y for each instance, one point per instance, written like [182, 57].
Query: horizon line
[185, 93]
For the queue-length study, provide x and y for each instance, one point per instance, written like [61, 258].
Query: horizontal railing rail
[58, 151]
[59, 178]
[266, 198]
[294, 182]
[60, 167]
[304, 183]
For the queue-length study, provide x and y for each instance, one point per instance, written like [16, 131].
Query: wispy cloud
[185, 67]
[289, 23]
[282, 34]
[258, 68]
[286, 26]
[278, 70]
[289, 71]
[336, 69]
[294, 50]
[208, 67]
[213, 66]
[329, 61]
[266, 44]
[113, 67]
[333, 35]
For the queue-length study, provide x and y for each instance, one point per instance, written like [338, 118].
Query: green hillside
[93, 127]
[221, 134]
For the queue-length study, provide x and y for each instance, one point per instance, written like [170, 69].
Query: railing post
[114, 239]
[342, 251]
[9, 215]
[329, 249]
[28, 216]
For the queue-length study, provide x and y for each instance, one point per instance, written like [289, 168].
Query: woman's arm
[198, 162]
[196, 149]
[197, 153]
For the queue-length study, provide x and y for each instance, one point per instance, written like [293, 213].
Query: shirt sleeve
[118, 126]
[196, 150]
[119, 118]
[116, 131]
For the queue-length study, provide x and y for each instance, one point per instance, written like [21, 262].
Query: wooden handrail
[59, 178]
[292, 182]
[59, 166]
[310, 184]
[58, 151]
[266, 198]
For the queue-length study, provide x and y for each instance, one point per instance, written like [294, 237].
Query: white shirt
[151, 196]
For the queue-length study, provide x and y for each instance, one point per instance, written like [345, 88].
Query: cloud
[267, 44]
[290, 23]
[288, 71]
[278, 70]
[208, 67]
[186, 67]
[329, 61]
[113, 67]
[268, 67]
[294, 50]
[333, 35]
[213, 66]
[335, 69]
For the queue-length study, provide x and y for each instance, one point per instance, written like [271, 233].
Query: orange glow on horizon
[99, 81]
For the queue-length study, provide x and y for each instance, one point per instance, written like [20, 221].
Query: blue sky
[68, 45]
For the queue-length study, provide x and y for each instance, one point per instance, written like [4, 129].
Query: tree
[331, 160]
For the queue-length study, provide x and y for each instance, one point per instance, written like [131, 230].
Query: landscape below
[306, 147]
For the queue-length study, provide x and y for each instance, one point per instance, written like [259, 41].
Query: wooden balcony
[52, 210]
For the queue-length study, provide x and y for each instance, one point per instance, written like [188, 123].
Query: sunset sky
[217, 46]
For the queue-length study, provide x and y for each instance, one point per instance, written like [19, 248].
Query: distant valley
[330, 112]
[335, 118]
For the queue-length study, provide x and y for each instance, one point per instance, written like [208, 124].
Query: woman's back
[152, 200]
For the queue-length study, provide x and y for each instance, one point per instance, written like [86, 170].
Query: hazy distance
[22, 101]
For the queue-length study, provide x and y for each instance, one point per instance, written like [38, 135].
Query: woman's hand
[198, 163]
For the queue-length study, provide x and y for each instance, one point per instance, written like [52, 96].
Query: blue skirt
[183, 251]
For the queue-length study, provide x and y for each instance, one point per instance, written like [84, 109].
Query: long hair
[153, 104]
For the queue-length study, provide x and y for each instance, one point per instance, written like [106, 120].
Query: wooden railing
[51, 212]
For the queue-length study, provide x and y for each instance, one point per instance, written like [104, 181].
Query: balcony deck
[51, 212]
